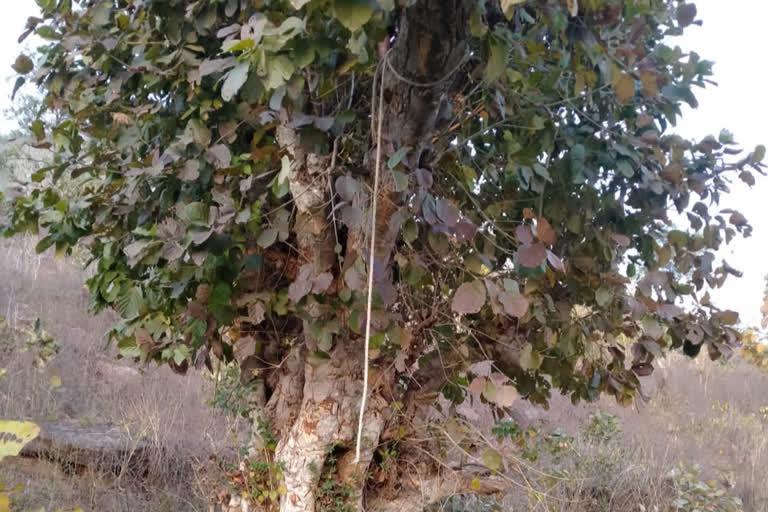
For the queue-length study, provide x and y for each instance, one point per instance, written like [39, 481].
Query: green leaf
[476, 265]
[267, 238]
[38, 129]
[130, 302]
[652, 328]
[492, 459]
[530, 359]
[680, 93]
[44, 244]
[395, 159]
[100, 13]
[508, 6]
[17, 85]
[603, 296]
[318, 358]
[303, 54]
[235, 80]
[489, 390]
[196, 214]
[625, 168]
[677, 238]
[353, 14]
[281, 69]
[221, 295]
[410, 231]
[497, 59]
[47, 32]
[220, 303]
[128, 348]
[357, 46]
[401, 181]
[759, 154]
[253, 262]
[180, 354]
[235, 46]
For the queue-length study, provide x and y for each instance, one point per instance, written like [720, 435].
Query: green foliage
[260, 481]
[695, 495]
[464, 503]
[532, 445]
[37, 341]
[264, 483]
[231, 395]
[334, 495]
[602, 427]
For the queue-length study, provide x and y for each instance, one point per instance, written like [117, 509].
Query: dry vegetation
[711, 414]
[708, 415]
[166, 411]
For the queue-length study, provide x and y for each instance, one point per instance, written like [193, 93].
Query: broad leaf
[530, 359]
[267, 238]
[532, 255]
[492, 460]
[235, 80]
[515, 304]
[469, 298]
[624, 85]
[497, 59]
[353, 14]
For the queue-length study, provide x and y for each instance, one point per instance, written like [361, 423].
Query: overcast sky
[734, 35]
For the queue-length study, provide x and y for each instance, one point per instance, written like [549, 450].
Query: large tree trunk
[430, 43]
[328, 416]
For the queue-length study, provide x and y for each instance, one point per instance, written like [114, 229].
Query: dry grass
[165, 411]
[709, 414]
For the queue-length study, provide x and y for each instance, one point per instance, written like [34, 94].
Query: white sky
[734, 35]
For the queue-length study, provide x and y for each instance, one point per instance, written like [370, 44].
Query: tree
[228, 153]
[26, 109]
[755, 340]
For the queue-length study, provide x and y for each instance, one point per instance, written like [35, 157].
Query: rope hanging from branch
[378, 122]
[371, 253]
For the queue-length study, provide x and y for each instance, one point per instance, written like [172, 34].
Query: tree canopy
[539, 225]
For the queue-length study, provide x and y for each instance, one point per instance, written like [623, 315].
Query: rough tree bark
[431, 41]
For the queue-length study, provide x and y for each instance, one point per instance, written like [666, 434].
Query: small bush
[602, 427]
[695, 495]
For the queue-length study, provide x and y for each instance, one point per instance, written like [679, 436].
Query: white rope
[371, 257]
[371, 254]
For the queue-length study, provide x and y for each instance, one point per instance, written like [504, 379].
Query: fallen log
[101, 447]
